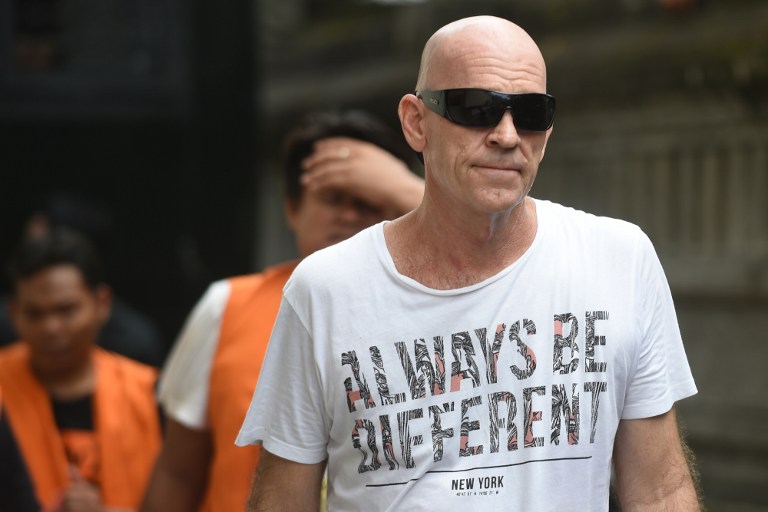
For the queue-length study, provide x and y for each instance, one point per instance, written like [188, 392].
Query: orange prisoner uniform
[126, 437]
[246, 325]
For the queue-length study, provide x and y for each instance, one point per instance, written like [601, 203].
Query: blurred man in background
[342, 172]
[86, 420]
[128, 331]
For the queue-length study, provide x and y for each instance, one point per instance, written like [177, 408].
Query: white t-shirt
[504, 395]
[185, 380]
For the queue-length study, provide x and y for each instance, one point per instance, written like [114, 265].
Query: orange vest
[126, 424]
[246, 326]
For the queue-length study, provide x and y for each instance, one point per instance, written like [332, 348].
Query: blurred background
[165, 117]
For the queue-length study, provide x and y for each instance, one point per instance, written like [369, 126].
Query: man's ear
[411, 113]
[103, 302]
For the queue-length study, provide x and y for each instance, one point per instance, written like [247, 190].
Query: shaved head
[472, 49]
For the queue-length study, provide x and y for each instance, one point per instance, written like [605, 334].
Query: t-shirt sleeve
[287, 414]
[661, 374]
[184, 381]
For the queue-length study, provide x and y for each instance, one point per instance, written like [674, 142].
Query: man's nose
[505, 133]
[51, 324]
[350, 210]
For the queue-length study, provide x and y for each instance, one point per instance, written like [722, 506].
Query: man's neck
[71, 385]
[453, 250]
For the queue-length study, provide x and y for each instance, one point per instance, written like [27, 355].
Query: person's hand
[364, 170]
[81, 496]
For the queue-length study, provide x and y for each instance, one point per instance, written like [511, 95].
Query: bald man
[487, 351]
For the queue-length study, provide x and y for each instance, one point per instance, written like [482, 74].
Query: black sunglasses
[479, 107]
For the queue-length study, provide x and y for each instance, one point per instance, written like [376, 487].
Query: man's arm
[282, 485]
[365, 170]
[652, 470]
[179, 478]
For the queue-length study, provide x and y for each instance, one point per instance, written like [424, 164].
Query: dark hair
[355, 124]
[59, 247]
[65, 209]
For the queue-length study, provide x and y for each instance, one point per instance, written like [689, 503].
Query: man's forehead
[54, 280]
[467, 58]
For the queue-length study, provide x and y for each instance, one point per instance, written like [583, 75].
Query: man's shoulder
[14, 354]
[272, 276]
[113, 362]
[255, 279]
[573, 220]
[340, 262]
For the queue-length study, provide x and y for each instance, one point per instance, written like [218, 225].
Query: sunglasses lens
[473, 107]
[478, 107]
[533, 111]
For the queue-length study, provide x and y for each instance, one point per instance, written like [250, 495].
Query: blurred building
[148, 107]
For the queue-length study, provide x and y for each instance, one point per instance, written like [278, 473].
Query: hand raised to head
[365, 170]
